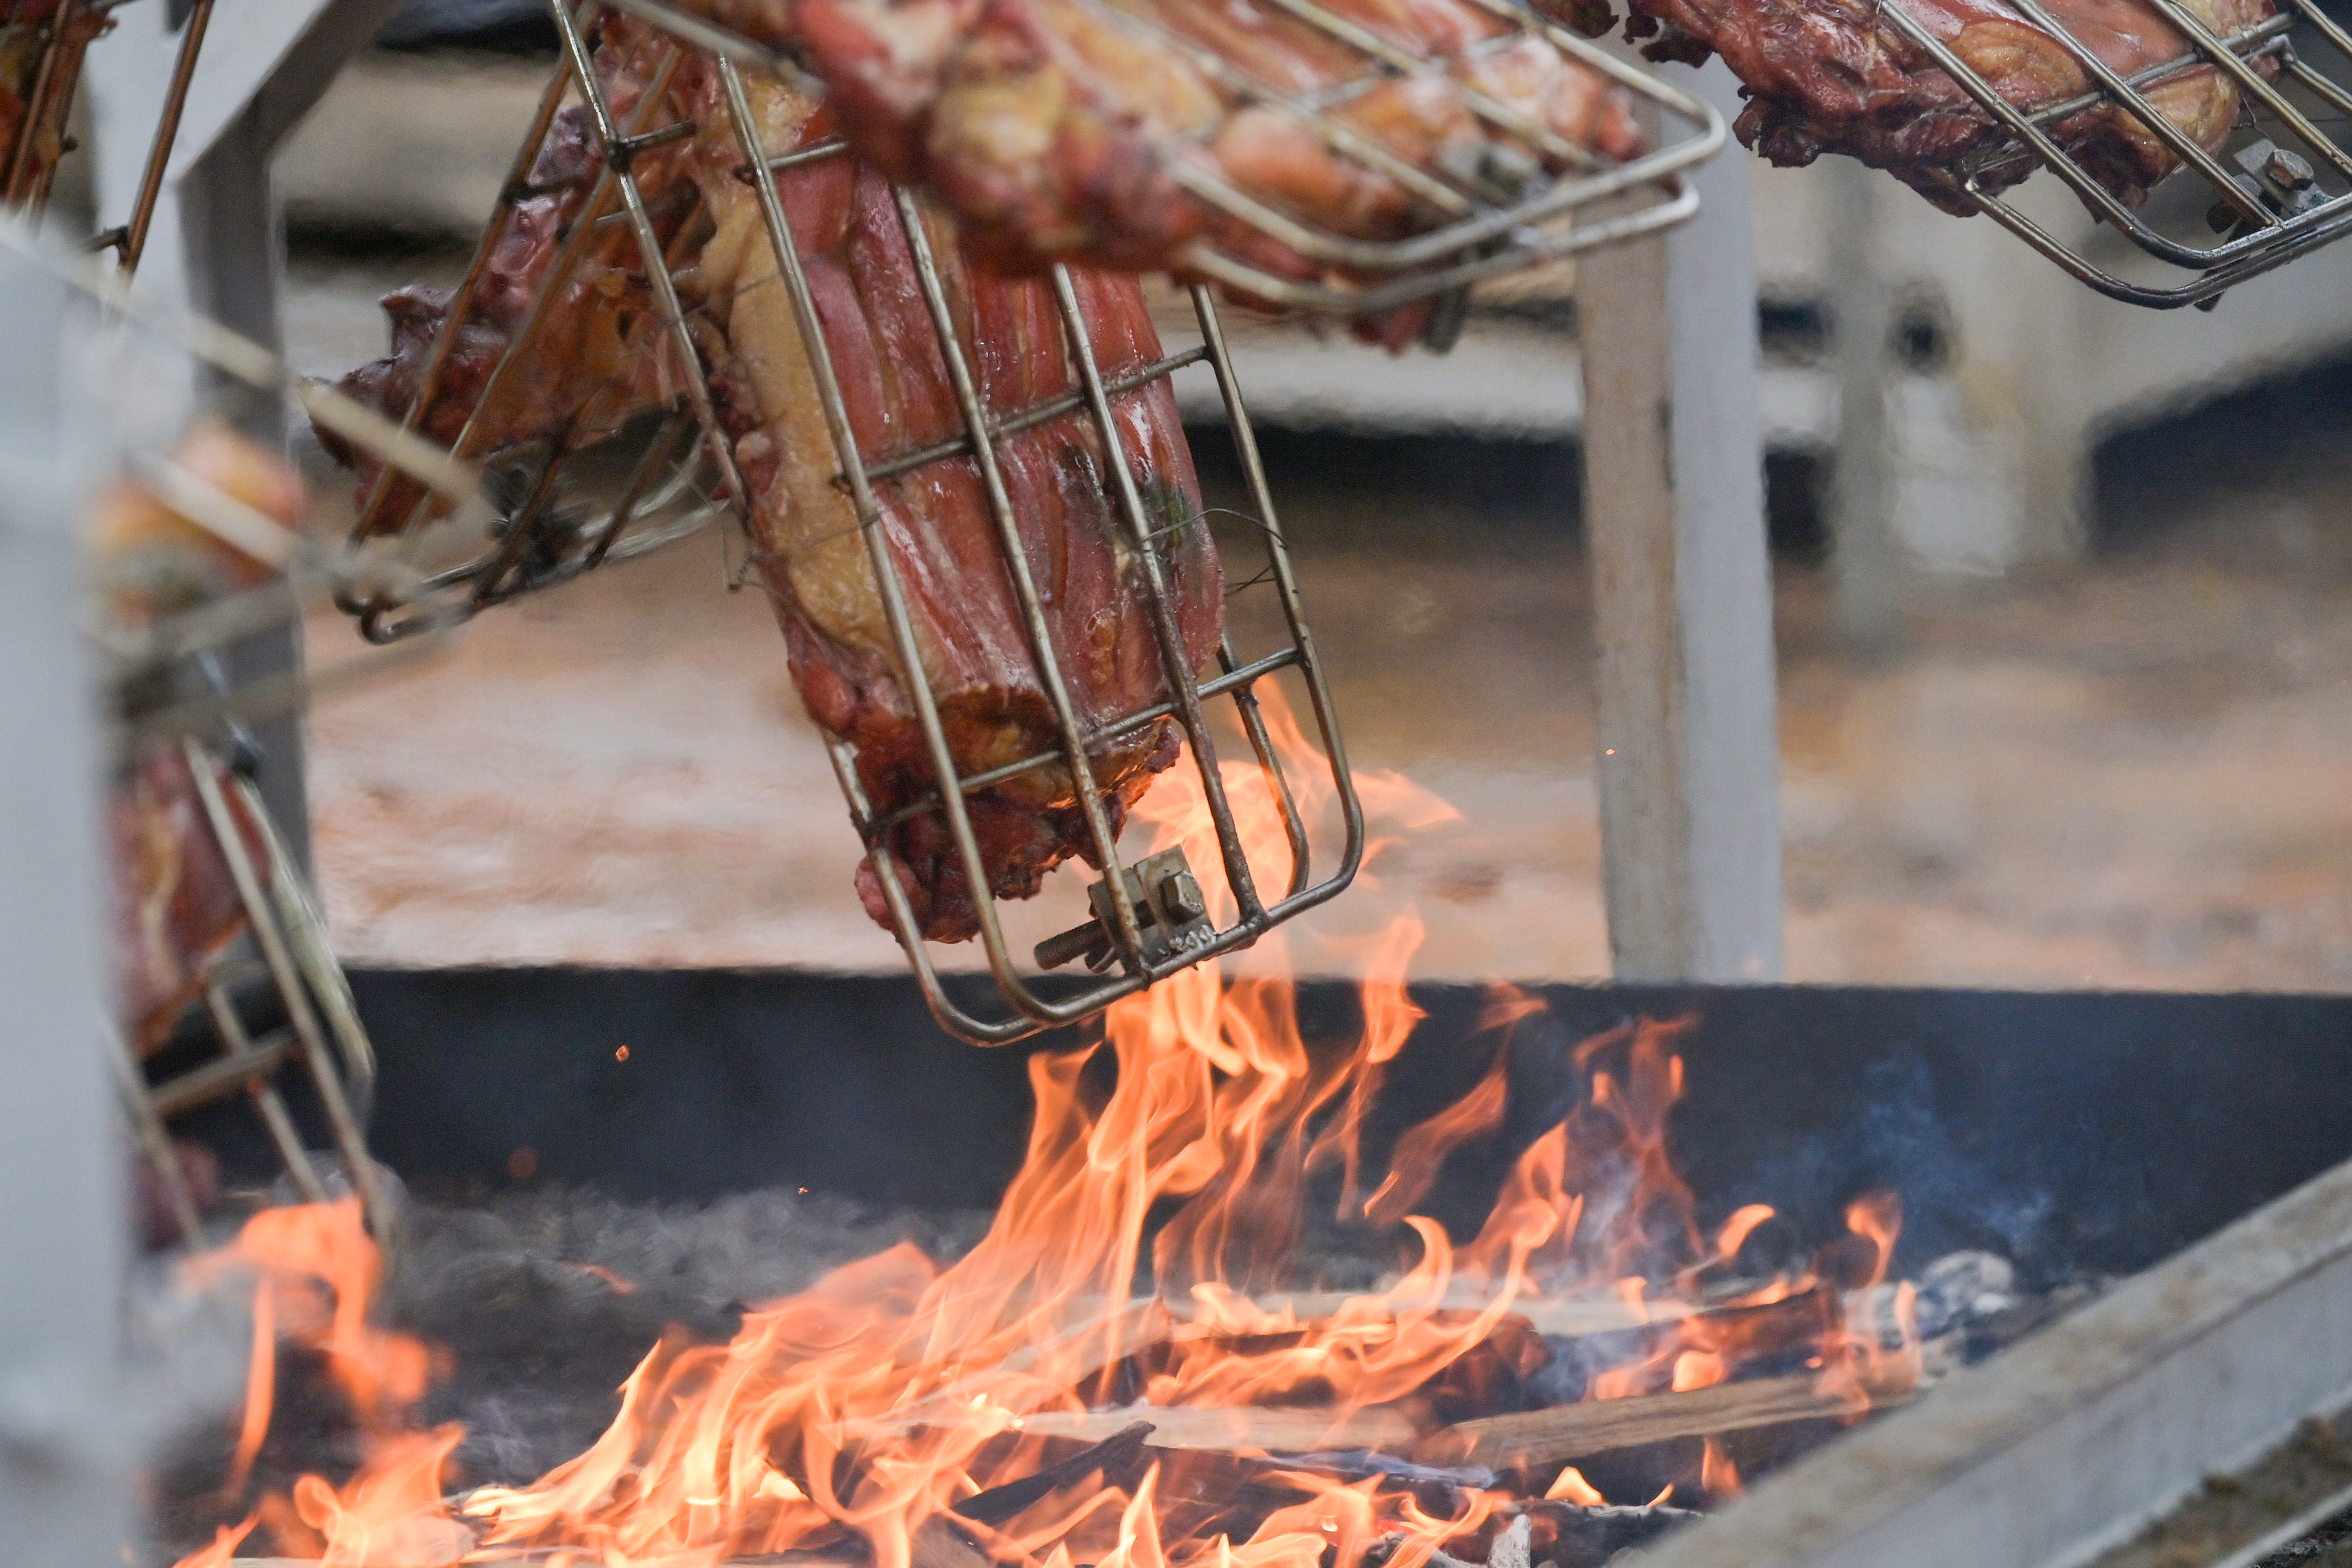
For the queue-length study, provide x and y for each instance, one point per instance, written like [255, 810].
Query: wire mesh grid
[154, 375]
[2274, 204]
[290, 971]
[548, 526]
[1483, 223]
[1152, 918]
[31, 162]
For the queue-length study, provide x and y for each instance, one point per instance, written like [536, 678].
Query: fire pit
[1417, 1409]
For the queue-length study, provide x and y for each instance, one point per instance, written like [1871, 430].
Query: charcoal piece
[1112, 1458]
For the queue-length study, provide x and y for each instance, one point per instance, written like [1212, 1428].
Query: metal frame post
[216, 244]
[64, 1455]
[1689, 763]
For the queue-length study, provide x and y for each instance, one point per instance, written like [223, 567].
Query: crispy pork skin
[1823, 76]
[1050, 130]
[935, 519]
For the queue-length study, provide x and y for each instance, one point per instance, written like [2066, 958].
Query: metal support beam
[2071, 1442]
[64, 1457]
[1689, 764]
[217, 244]
[1865, 562]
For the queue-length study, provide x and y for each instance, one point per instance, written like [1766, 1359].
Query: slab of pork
[1824, 76]
[936, 522]
[805, 537]
[1049, 127]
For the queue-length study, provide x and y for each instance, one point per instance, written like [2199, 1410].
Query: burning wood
[1269, 1429]
[915, 1415]
[1546, 1439]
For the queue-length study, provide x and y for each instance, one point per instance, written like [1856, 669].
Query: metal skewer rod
[167, 132]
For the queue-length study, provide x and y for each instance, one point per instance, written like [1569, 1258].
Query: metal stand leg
[1689, 764]
[64, 1472]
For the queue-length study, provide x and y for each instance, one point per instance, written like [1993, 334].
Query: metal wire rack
[550, 526]
[1483, 223]
[1153, 918]
[165, 676]
[2273, 204]
[292, 966]
[550, 529]
[29, 176]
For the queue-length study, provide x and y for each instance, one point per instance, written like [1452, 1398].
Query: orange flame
[1717, 1476]
[1184, 1140]
[222, 1551]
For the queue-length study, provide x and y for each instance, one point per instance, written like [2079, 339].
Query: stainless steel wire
[2269, 212]
[690, 440]
[539, 541]
[1477, 235]
[25, 183]
[321, 1029]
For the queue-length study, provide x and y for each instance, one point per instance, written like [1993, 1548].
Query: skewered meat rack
[2273, 204]
[1152, 918]
[1482, 236]
[292, 966]
[28, 178]
[544, 541]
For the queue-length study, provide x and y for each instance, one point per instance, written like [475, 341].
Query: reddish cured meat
[1046, 125]
[177, 907]
[600, 353]
[942, 541]
[1821, 76]
[30, 142]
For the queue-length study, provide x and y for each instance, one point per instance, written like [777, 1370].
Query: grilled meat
[935, 519]
[598, 354]
[33, 136]
[1055, 128]
[177, 907]
[1823, 76]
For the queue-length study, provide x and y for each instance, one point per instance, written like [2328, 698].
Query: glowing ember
[867, 1405]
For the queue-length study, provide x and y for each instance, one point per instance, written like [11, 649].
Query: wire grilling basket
[2272, 203]
[30, 166]
[289, 971]
[1150, 919]
[1487, 222]
[198, 546]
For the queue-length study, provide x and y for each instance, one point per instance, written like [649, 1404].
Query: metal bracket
[1171, 915]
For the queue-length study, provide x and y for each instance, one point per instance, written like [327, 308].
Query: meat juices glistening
[594, 359]
[1824, 76]
[1044, 123]
[935, 519]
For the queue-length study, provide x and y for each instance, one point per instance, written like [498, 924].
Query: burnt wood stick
[1276, 1428]
[1573, 1432]
[938, 1543]
[1111, 1457]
